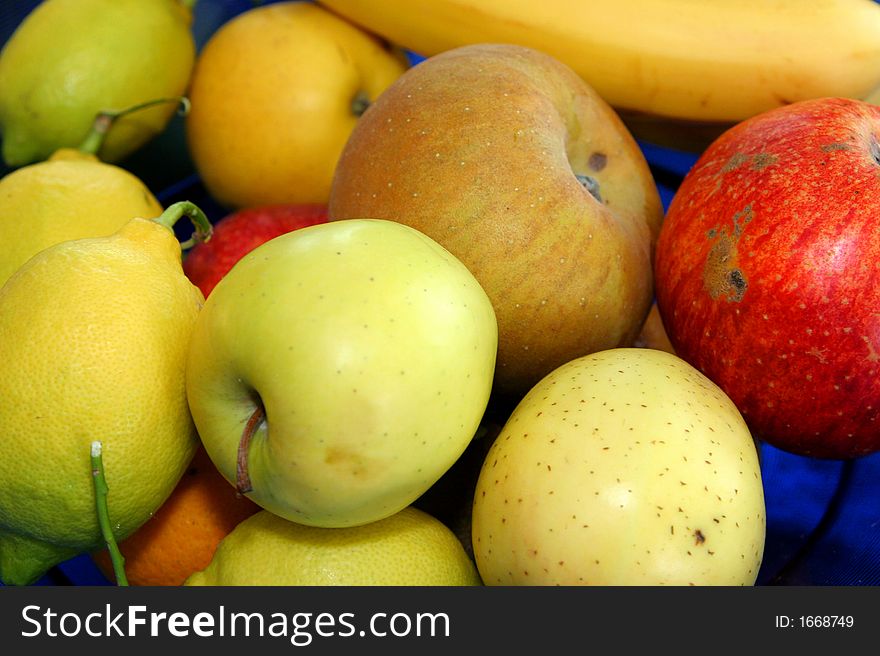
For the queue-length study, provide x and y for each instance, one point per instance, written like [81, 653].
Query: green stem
[101, 490]
[189, 4]
[105, 120]
[202, 225]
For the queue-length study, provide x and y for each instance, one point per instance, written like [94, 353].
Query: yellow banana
[694, 60]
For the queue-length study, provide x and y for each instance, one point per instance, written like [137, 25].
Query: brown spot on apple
[831, 147]
[722, 275]
[738, 283]
[737, 160]
[760, 161]
[348, 462]
[597, 161]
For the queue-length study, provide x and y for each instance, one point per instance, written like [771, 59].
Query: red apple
[768, 274]
[241, 232]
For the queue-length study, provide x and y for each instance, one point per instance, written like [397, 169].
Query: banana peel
[680, 71]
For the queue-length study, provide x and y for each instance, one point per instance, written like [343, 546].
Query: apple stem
[875, 149]
[105, 120]
[172, 213]
[360, 103]
[590, 184]
[242, 477]
[101, 490]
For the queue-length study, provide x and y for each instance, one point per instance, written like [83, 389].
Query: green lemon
[71, 59]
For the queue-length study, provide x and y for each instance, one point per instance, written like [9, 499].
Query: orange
[183, 534]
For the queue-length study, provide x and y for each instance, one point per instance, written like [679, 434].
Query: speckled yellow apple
[274, 95]
[509, 160]
[337, 371]
[624, 467]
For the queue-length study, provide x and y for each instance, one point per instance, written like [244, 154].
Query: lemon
[69, 196]
[93, 337]
[70, 59]
[407, 548]
[275, 93]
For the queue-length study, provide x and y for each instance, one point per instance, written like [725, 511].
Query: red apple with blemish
[768, 274]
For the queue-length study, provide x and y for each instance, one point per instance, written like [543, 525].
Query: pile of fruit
[434, 323]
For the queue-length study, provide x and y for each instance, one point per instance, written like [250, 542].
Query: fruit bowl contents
[478, 297]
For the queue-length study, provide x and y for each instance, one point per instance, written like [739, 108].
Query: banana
[708, 61]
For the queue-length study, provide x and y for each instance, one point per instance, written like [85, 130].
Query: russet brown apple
[514, 164]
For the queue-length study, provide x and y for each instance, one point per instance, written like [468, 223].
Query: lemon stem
[105, 120]
[202, 225]
[101, 490]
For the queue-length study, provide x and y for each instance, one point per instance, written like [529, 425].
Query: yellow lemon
[407, 548]
[93, 337]
[70, 59]
[275, 93]
[70, 196]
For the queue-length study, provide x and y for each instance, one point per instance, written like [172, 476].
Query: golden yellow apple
[275, 94]
[624, 467]
[359, 353]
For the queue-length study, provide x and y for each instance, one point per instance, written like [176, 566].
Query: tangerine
[183, 534]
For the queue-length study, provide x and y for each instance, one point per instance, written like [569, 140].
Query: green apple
[339, 370]
[508, 159]
[624, 467]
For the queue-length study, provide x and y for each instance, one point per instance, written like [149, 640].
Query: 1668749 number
[826, 621]
[815, 621]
